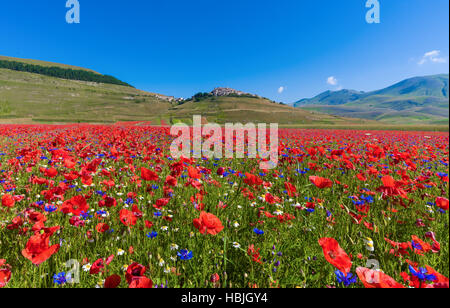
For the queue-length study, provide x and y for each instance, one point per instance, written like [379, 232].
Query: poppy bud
[215, 278]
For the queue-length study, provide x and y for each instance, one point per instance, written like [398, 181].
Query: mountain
[435, 86]
[415, 100]
[34, 97]
[331, 98]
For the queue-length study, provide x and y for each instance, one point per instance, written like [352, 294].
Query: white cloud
[332, 81]
[281, 89]
[432, 56]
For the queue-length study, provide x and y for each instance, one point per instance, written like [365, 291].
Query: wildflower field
[89, 206]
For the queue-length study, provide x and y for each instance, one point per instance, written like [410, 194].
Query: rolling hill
[415, 100]
[35, 98]
[242, 109]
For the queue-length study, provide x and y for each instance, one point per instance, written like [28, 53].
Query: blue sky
[182, 47]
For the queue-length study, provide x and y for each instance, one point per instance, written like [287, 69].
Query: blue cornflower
[50, 208]
[185, 254]
[85, 215]
[129, 201]
[346, 280]
[152, 234]
[258, 232]
[422, 274]
[60, 278]
[416, 245]
[157, 214]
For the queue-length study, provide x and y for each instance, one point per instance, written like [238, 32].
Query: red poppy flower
[321, 182]
[441, 279]
[270, 198]
[134, 270]
[69, 163]
[335, 255]
[112, 282]
[252, 180]
[254, 253]
[51, 172]
[8, 200]
[194, 173]
[76, 206]
[109, 259]
[96, 267]
[388, 181]
[102, 227]
[377, 280]
[107, 202]
[76, 221]
[361, 177]
[391, 187]
[148, 175]
[141, 283]
[171, 181]
[127, 217]
[161, 202]
[37, 249]
[148, 224]
[208, 223]
[5, 273]
[442, 203]
[291, 190]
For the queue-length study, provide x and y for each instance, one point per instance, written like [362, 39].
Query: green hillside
[234, 109]
[27, 97]
[414, 100]
[35, 98]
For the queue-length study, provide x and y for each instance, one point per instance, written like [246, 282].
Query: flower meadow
[85, 206]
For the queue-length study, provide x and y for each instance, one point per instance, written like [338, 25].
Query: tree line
[64, 73]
